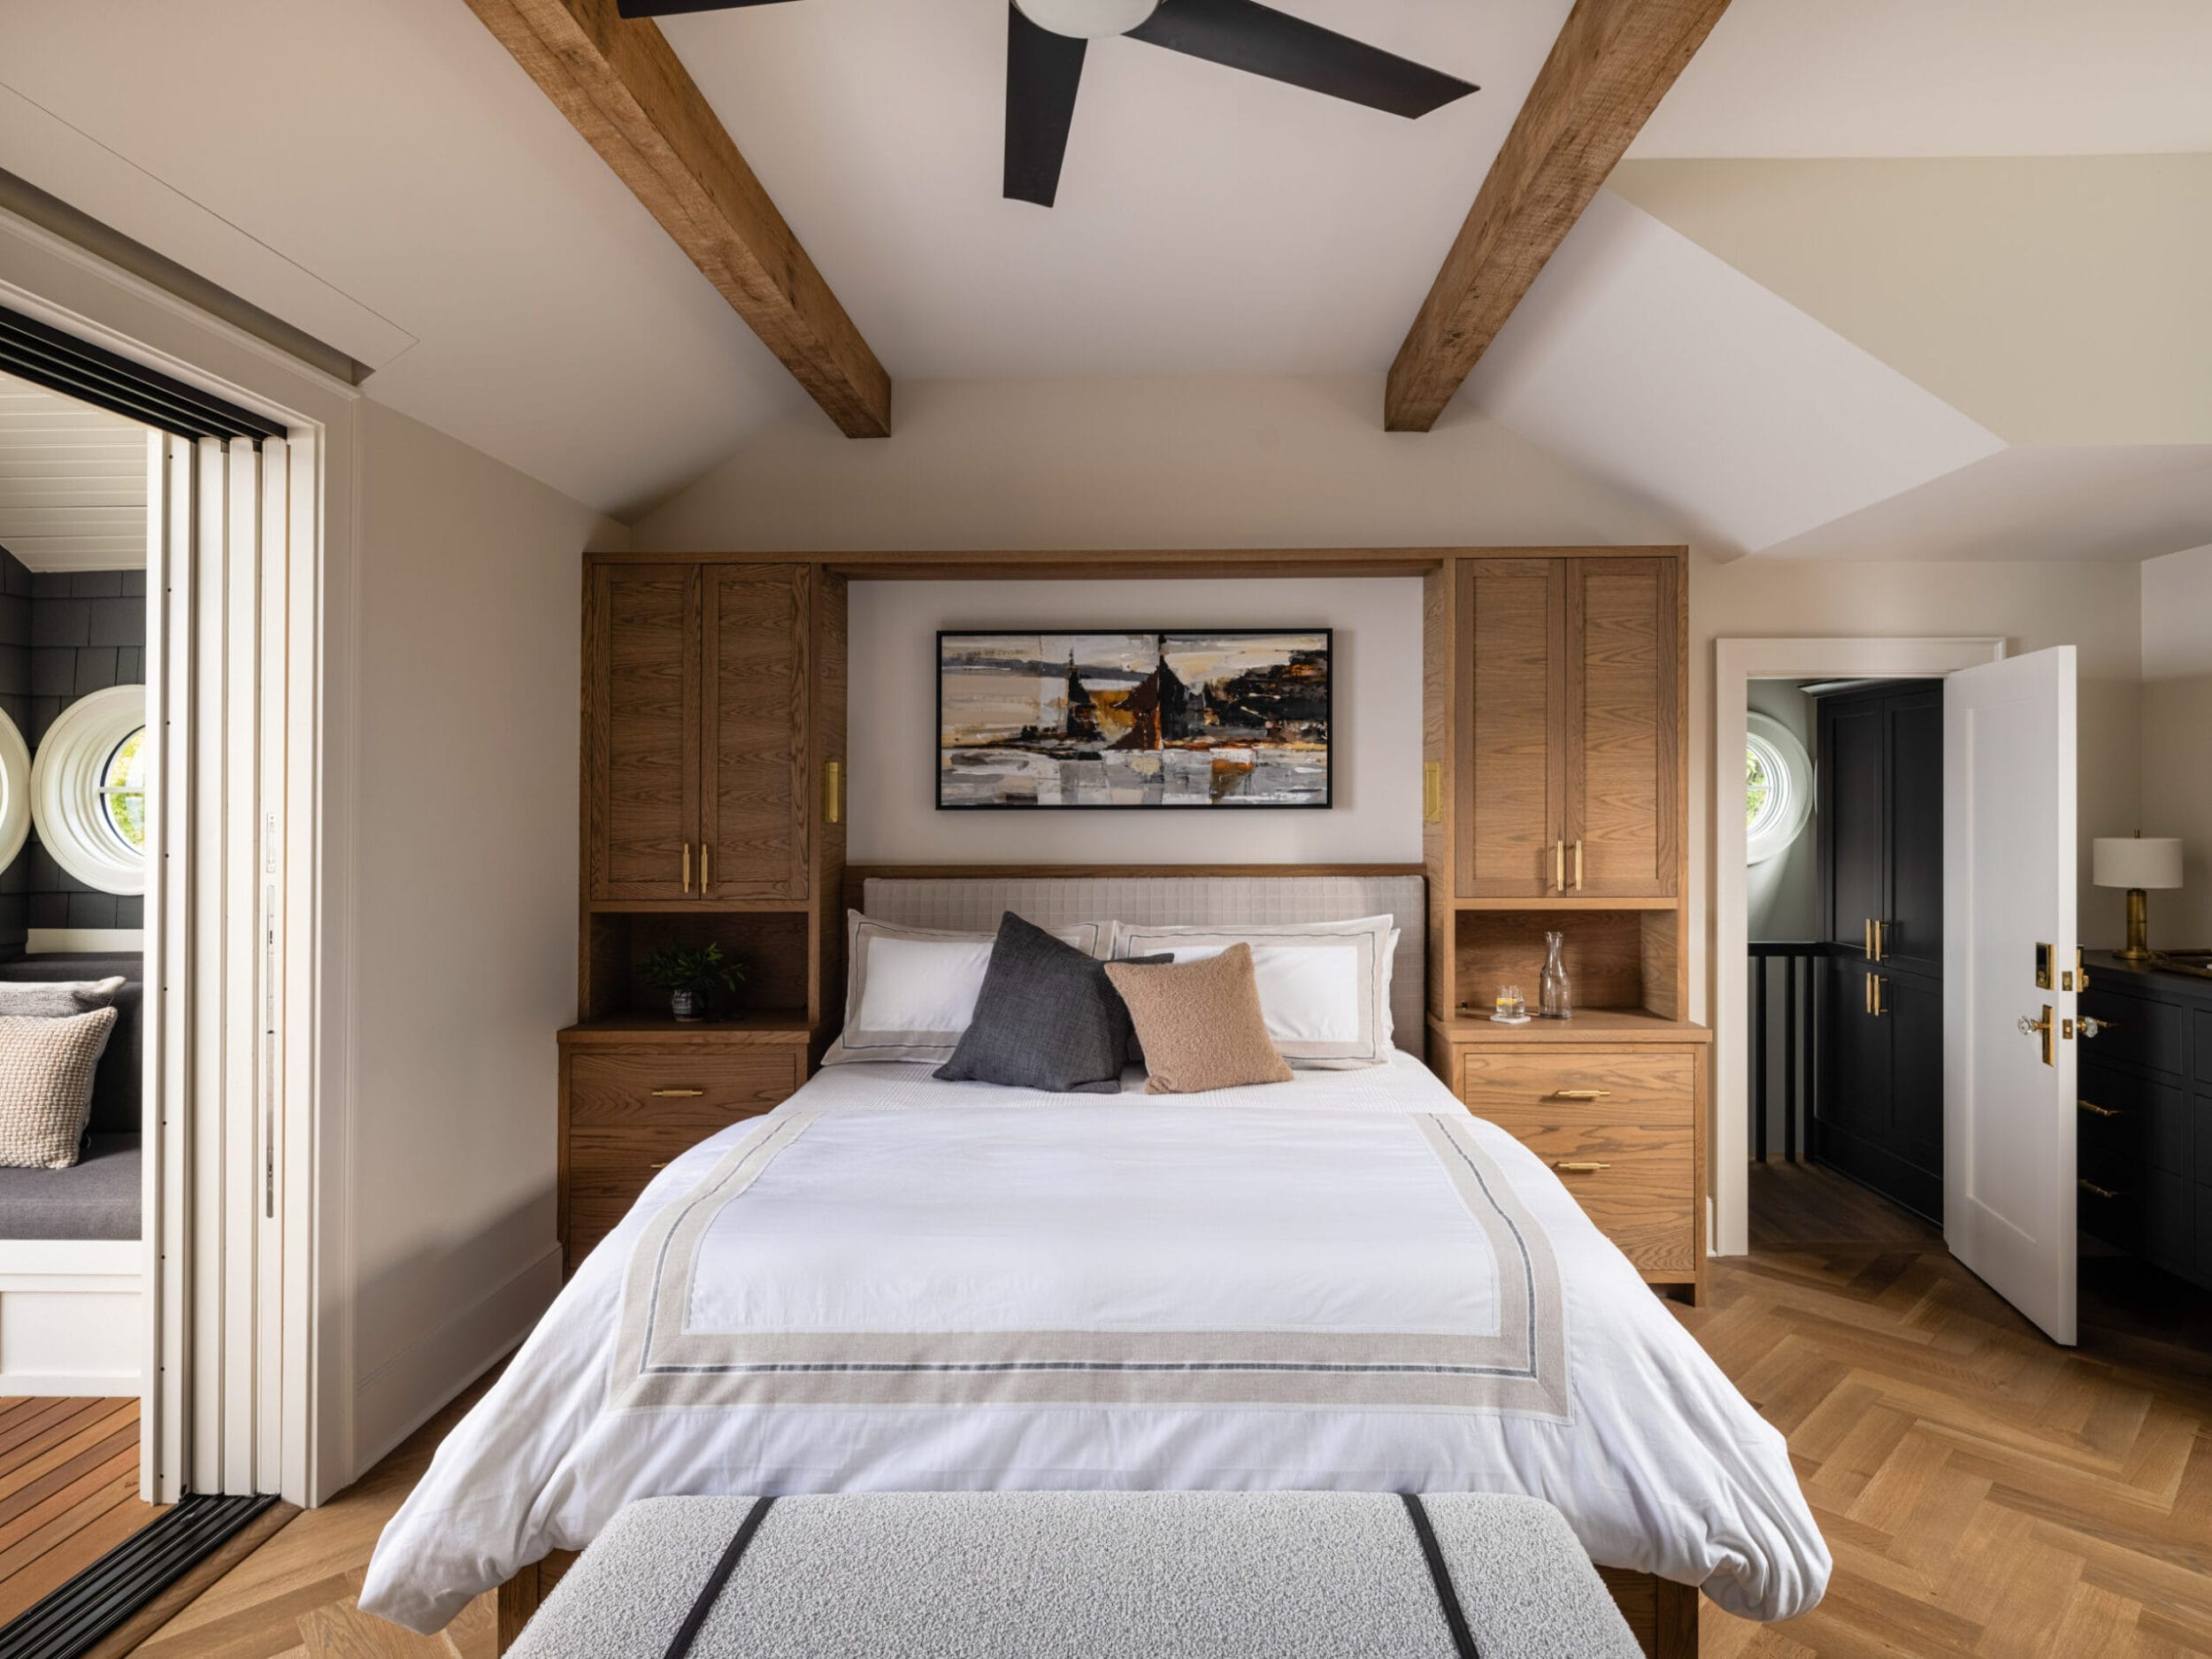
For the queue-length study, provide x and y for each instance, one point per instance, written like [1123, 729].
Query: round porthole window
[1778, 788]
[88, 791]
[15, 791]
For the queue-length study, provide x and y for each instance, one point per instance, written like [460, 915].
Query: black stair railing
[1784, 1010]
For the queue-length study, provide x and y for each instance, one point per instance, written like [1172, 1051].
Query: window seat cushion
[95, 1198]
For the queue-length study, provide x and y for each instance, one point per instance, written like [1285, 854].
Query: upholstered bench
[1086, 1575]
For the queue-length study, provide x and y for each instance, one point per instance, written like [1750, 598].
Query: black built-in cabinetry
[1879, 766]
[2146, 1116]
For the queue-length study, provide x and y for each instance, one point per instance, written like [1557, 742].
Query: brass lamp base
[2138, 947]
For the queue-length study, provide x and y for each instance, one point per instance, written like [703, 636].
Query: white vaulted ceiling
[383, 175]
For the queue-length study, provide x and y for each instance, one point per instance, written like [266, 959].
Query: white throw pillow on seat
[1325, 986]
[910, 992]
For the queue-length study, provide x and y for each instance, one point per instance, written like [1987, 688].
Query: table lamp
[2135, 862]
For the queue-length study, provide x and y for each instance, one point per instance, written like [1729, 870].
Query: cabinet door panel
[755, 813]
[1914, 938]
[642, 734]
[1511, 777]
[1853, 766]
[1623, 726]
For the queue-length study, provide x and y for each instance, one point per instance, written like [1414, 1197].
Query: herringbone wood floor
[1984, 1492]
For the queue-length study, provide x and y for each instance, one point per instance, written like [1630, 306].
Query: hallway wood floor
[1983, 1493]
[1983, 1490]
[68, 1491]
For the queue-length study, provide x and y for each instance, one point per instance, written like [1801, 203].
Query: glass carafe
[1554, 1002]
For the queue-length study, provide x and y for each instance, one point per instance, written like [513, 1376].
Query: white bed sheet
[894, 1283]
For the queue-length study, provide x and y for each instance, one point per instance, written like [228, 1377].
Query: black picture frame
[1326, 635]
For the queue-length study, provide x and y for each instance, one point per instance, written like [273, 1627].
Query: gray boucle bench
[1290, 1575]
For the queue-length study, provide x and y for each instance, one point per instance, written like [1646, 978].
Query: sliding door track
[98, 1601]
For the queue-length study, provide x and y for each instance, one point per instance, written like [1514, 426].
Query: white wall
[1375, 751]
[1782, 895]
[2178, 738]
[466, 625]
[1145, 464]
[2096, 608]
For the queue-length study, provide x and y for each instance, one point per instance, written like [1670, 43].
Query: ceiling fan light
[1087, 20]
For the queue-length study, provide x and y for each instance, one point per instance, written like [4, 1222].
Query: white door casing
[2010, 866]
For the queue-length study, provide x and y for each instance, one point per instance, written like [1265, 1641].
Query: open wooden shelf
[1617, 956]
[1589, 1024]
[776, 1024]
[775, 946]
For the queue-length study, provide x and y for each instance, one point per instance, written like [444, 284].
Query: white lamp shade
[2136, 861]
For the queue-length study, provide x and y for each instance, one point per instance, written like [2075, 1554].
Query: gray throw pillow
[55, 999]
[1047, 1017]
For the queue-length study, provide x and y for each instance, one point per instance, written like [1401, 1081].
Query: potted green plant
[691, 975]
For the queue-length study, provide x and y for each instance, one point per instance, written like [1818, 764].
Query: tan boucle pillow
[1198, 1023]
[46, 1068]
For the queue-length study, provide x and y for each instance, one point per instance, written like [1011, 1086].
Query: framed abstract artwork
[1229, 718]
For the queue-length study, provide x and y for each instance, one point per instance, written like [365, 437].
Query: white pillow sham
[1325, 986]
[910, 992]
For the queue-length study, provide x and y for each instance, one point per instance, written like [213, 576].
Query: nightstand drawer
[1528, 1088]
[631, 1113]
[1635, 1182]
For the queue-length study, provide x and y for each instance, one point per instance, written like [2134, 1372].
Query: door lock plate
[2046, 961]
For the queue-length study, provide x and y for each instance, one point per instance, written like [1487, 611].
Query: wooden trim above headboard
[857, 874]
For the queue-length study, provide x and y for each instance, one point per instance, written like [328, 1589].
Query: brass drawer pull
[1578, 866]
[1579, 1167]
[678, 1094]
[662, 1166]
[2091, 1106]
[1581, 1094]
[1559, 866]
[687, 866]
[2095, 1191]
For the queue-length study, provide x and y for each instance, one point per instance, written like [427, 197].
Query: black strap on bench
[710, 1592]
[1463, 1638]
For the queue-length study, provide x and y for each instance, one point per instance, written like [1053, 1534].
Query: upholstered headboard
[974, 904]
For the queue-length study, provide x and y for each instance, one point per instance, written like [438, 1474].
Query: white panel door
[2009, 870]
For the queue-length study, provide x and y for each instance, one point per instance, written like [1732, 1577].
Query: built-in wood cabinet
[1568, 770]
[696, 734]
[635, 1097]
[1562, 732]
[1878, 1112]
[714, 701]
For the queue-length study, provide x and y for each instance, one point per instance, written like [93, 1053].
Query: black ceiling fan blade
[1042, 73]
[673, 8]
[1245, 34]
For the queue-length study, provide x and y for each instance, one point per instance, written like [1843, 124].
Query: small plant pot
[688, 1007]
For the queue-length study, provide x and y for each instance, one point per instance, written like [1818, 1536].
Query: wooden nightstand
[1614, 1102]
[637, 1092]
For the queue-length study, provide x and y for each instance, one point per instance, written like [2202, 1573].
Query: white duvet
[896, 1284]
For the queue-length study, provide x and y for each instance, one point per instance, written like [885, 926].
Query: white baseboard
[57, 1385]
[397, 1398]
[71, 1320]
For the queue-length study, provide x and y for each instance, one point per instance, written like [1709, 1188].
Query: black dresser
[2146, 1116]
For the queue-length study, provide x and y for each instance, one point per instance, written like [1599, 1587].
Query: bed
[893, 1283]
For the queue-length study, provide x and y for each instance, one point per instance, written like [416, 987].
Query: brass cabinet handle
[2095, 1191]
[662, 1166]
[678, 1094]
[1866, 939]
[687, 866]
[832, 792]
[2096, 1111]
[1559, 866]
[1579, 1166]
[1581, 1094]
[1881, 944]
[1578, 866]
[705, 858]
[1876, 989]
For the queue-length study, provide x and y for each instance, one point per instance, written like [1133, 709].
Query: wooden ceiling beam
[1612, 62]
[621, 85]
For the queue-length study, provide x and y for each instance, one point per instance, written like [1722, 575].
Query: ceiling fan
[1045, 42]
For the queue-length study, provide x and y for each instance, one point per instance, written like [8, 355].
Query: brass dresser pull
[687, 866]
[678, 1094]
[1578, 866]
[1559, 866]
[2095, 1191]
[662, 1166]
[1582, 1167]
[2091, 1106]
[705, 859]
[1581, 1094]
